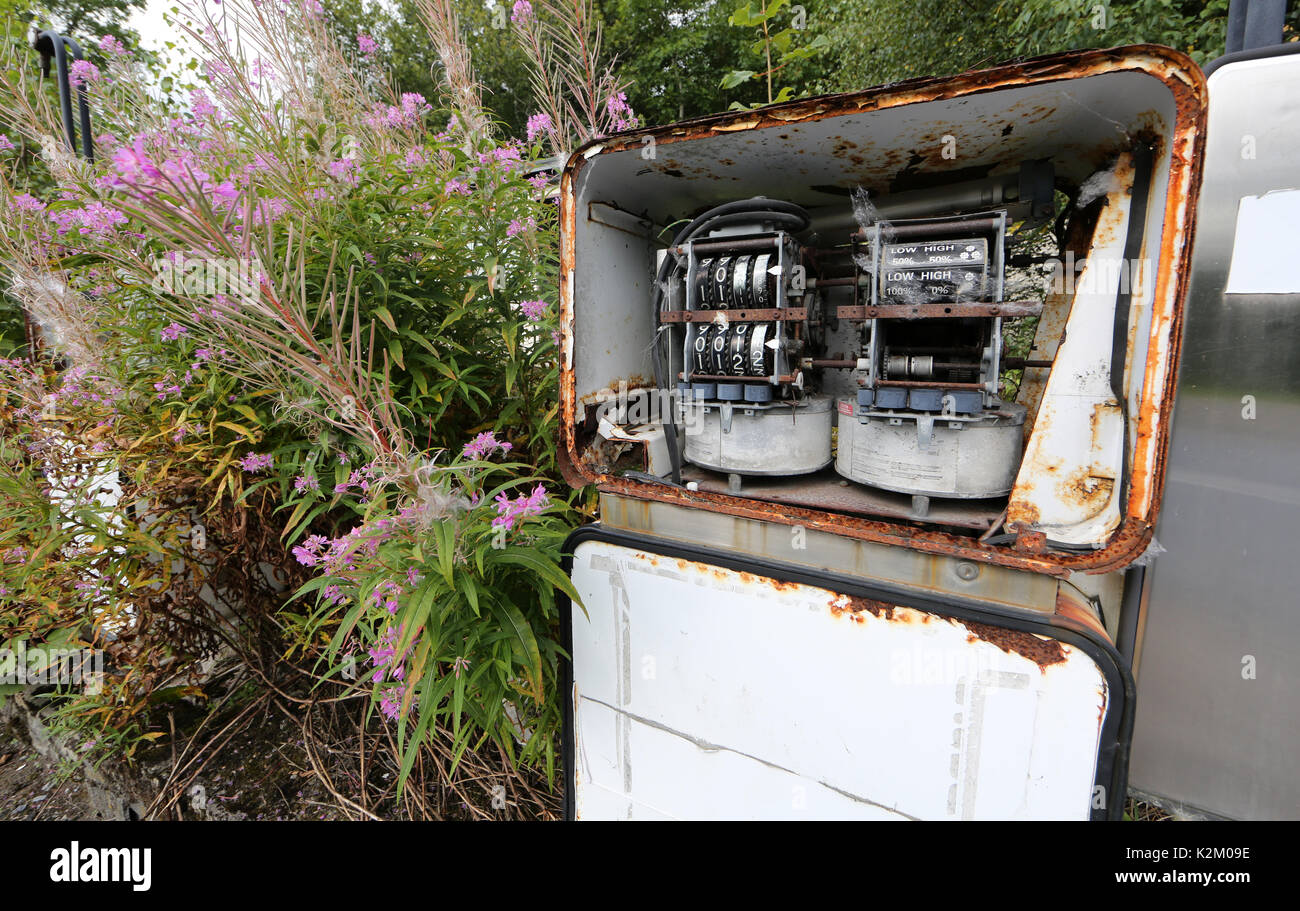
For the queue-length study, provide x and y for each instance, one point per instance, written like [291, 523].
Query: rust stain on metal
[1185, 82]
[1085, 490]
[852, 607]
[1043, 652]
[1031, 542]
[1073, 607]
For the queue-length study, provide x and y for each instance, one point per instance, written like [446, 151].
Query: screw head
[967, 571]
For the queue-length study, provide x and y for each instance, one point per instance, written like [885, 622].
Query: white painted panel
[703, 693]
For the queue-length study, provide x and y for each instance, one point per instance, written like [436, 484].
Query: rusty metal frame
[1186, 84]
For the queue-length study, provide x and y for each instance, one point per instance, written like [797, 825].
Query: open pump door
[868, 483]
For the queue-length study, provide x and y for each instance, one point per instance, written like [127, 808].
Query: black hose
[757, 208]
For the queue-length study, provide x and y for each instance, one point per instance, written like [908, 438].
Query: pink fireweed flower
[253, 462]
[307, 482]
[308, 553]
[507, 154]
[26, 202]
[390, 703]
[262, 161]
[344, 170]
[384, 654]
[483, 446]
[82, 73]
[201, 105]
[359, 478]
[519, 227]
[458, 188]
[539, 124]
[132, 164]
[6, 144]
[413, 160]
[521, 12]
[272, 208]
[223, 194]
[96, 219]
[410, 113]
[173, 332]
[534, 310]
[110, 45]
[620, 112]
[386, 596]
[508, 510]
[460, 664]
[365, 44]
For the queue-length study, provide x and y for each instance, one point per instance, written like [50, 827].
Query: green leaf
[525, 644]
[736, 77]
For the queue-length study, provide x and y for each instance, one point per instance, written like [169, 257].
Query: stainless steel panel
[1223, 600]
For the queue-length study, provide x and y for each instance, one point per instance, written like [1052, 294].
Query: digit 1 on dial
[722, 282]
[718, 338]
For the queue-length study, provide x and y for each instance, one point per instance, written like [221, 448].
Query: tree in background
[873, 42]
[401, 45]
[83, 19]
[674, 54]
[778, 28]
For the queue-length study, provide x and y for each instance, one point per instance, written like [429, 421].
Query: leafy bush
[300, 320]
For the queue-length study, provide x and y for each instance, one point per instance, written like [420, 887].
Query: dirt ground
[33, 788]
[263, 762]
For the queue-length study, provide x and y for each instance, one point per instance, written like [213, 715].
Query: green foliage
[686, 59]
[407, 57]
[778, 47]
[674, 54]
[286, 315]
[85, 20]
